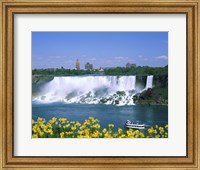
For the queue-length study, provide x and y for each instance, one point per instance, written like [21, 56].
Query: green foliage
[145, 70]
[137, 70]
[60, 72]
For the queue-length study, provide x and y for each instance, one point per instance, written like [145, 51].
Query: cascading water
[149, 82]
[118, 90]
[89, 90]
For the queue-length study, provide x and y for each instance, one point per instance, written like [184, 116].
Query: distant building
[88, 66]
[101, 69]
[77, 65]
[129, 65]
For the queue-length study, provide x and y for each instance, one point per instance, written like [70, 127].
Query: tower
[88, 66]
[77, 65]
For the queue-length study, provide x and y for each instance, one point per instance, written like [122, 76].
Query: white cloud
[93, 59]
[54, 57]
[119, 58]
[40, 58]
[140, 56]
[109, 61]
[162, 57]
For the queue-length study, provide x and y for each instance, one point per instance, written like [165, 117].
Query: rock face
[38, 81]
[158, 95]
[151, 97]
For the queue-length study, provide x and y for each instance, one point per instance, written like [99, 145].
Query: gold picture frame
[11, 7]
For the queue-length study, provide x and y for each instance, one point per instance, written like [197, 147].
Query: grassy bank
[90, 128]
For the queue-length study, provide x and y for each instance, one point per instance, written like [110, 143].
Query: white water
[118, 90]
[149, 82]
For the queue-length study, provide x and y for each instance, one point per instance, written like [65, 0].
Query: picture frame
[12, 7]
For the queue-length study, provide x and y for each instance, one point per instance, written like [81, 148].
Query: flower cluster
[90, 128]
[158, 132]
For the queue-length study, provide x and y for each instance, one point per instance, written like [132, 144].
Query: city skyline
[101, 49]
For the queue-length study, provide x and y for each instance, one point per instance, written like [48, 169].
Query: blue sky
[102, 49]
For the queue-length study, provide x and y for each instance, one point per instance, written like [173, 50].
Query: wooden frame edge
[1, 86]
[7, 159]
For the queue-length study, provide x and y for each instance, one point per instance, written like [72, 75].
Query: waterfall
[89, 90]
[149, 82]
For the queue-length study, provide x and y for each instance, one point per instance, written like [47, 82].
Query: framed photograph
[94, 84]
[109, 88]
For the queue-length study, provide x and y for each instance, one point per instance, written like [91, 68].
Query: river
[150, 115]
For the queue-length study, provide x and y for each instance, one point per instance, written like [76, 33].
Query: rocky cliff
[152, 96]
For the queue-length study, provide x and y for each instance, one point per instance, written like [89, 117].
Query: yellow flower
[83, 136]
[141, 135]
[68, 133]
[34, 136]
[39, 119]
[157, 136]
[62, 120]
[122, 136]
[137, 132]
[96, 120]
[97, 126]
[62, 135]
[34, 128]
[83, 127]
[45, 128]
[73, 128]
[50, 131]
[119, 130]
[137, 136]
[42, 126]
[107, 135]
[49, 125]
[90, 129]
[53, 120]
[77, 124]
[91, 118]
[87, 131]
[80, 132]
[104, 130]
[130, 133]
[110, 125]
[150, 130]
[95, 134]
[41, 133]
[161, 129]
[67, 125]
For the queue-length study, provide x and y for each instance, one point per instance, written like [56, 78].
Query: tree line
[143, 70]
[137, 70]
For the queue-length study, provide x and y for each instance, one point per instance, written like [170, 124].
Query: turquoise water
[150, 115]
